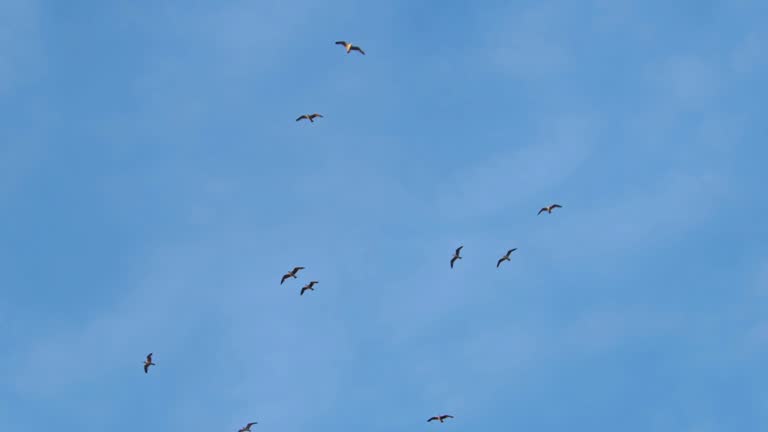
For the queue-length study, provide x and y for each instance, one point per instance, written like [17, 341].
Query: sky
[154, 187]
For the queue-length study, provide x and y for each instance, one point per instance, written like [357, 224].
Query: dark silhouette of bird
[291, 274]
[148, 363]
[349, 47]
[308, 287]
[549, 209]
[440, 418]
[505, 257]
[247, 427]
[456, 256]
[310, 117]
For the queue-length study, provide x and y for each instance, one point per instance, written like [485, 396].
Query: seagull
[148, 363]
[505, 257]
[308, 287]
[441, 418]
[456, 256]
[247, 427]
[310, 117]
[349, 47]
[291, 274]
[549, 209]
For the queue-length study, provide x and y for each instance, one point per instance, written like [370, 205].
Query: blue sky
[154, 187]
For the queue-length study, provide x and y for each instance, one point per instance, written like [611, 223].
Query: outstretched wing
[311, 284]
[357, 48]
[446, 416]
[341, 43]
[501, 260]
[146, 367]
[433, 418]
[302, 290]
[316, 115]
[554, 206]
[284, 278]
[149, 357]
[302, 117]
[459, 250]
[250, 424]
[453, 260]
[296, 269]
[510, 251]
[541, 211]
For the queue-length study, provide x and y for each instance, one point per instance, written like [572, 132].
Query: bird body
[148, 363]
[310, 117]
[247, 427]
[440, 418]
[549, 209]
[505, 257]
[456, 256]
[291, 274]
[349, 47]
[308, 287]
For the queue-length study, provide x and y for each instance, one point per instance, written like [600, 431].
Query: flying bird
[441, 418]
[247, 427]
[549, 209]
[308, 287]
[310, 117]
[456, 256]
[349, 47]
[291, 274]
[148, 363]
[505, 257]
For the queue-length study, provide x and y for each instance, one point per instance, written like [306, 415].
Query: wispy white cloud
[112, 339]
[607, 329]
[756, 337]
[750, 57]
[20, 42]
[689, 80]
[673, 204]
[528, 43]
[532, 169]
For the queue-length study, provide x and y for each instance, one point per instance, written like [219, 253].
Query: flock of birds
[349, 47]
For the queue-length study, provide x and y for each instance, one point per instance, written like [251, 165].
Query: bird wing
[541, 211]
[357, 48]
[296, 269]
[340, 43]
[302, 117]
[316, 115]
[554, 206]
[302, 290]
[284, 278]
[149, 357]
[251, 424]
[453, 260]
[311, 284]
[510, 251]
[432, 418]
[498, 263]
[146, 367]
[447, 416]
[459, 250]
